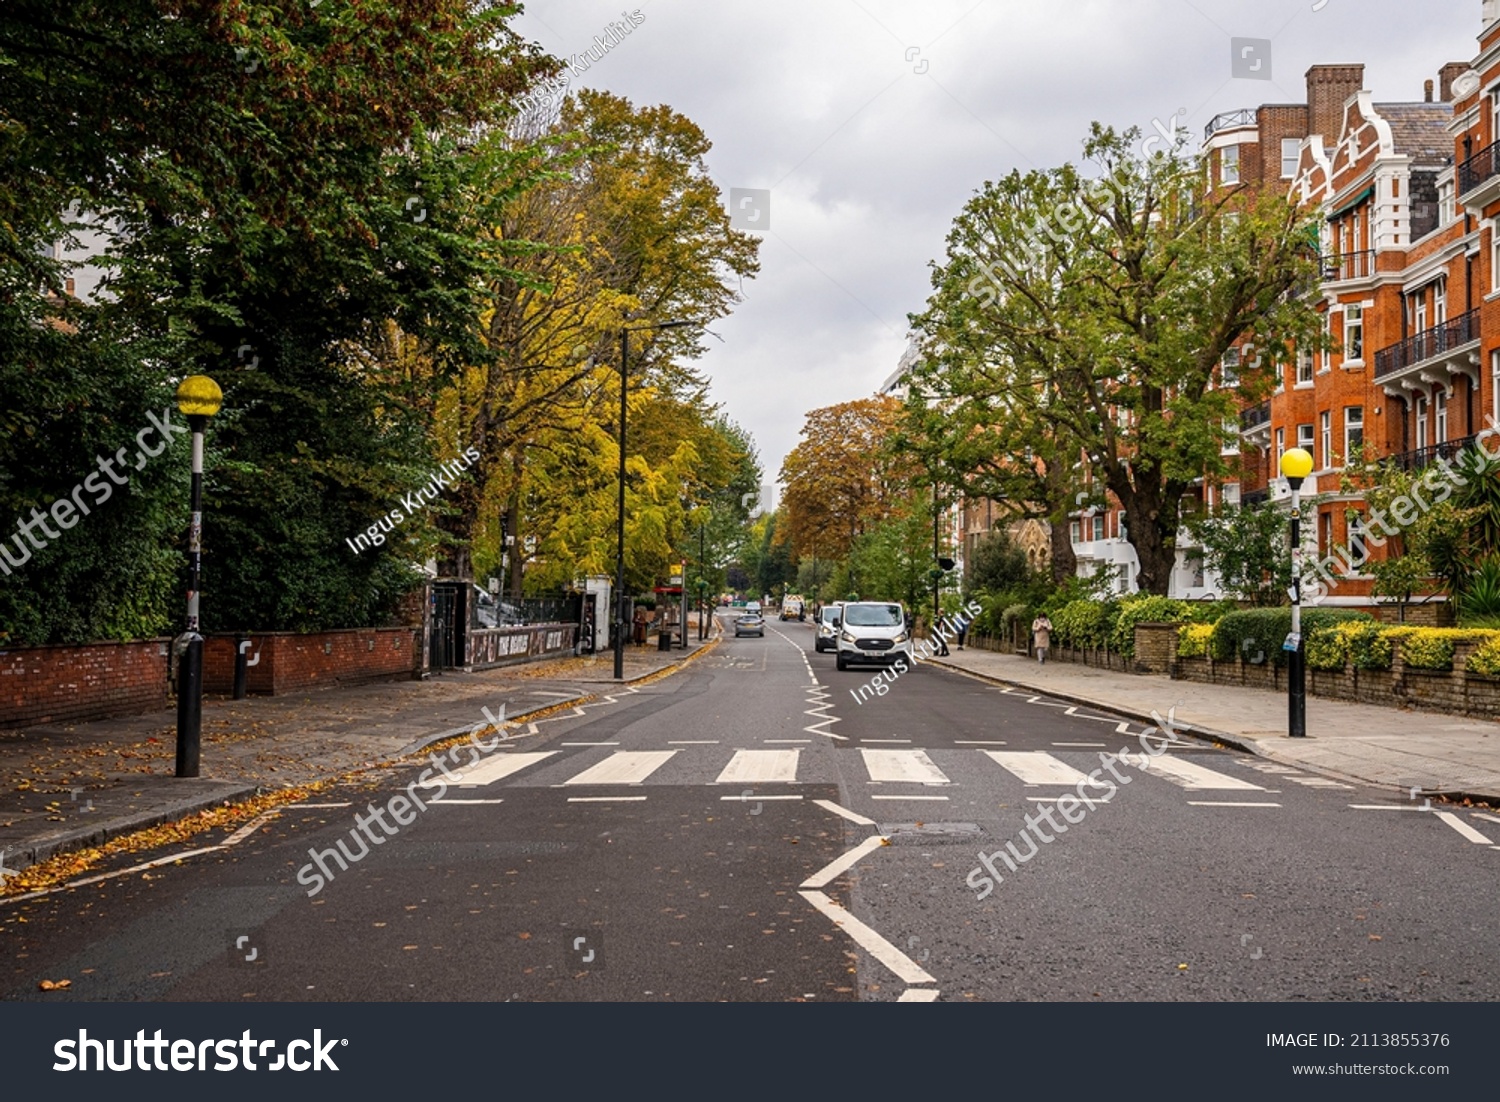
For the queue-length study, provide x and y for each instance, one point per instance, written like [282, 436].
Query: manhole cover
[927, 834]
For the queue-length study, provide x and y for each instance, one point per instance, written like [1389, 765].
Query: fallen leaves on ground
[55, 985]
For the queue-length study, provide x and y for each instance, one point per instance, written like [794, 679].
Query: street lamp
[621, 620]
[198, 399]
[1296, 464]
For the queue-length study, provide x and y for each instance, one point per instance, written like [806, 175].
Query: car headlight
[900, 638]
[846, 637]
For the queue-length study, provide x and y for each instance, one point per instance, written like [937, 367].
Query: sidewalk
[1386, 747]
[69, 786]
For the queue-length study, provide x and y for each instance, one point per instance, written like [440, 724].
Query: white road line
[918, 995]
[605, 799]
[902, 766]
[1196, 778]
[842, 864]
[908, 797]
[757, 799]
[1037, 767]
[1487, 818]
[1090, 745]
[760, 767]
[1385, 807]
[1122, 728]
[867, 939]
[544, 692]
[693, 742]
[248, 829]
[624, 767]
[787, 741]
[906, 741]
[1463, 828]
[588, 744]
[978, 742]
[500, 767]
[445, 800]
[307, 807]
[1216, 803]
[843, 812]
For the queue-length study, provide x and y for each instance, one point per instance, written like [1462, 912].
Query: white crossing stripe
[760, 767]
[499, 767]
[1196, 778]
[1463, 828]
[624, 767]
[868, 940]
[1318, 782]
[909, 766]
[918, 995]
[1037, 767]
[852, 816]
[1202, 803]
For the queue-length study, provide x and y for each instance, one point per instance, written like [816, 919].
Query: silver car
[750, 622]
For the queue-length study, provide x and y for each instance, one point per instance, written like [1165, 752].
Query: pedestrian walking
[940, 633]
[1041, 631]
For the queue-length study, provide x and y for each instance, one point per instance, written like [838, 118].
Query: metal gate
[449, 624]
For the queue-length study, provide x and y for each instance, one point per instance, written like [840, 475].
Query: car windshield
[873, 616]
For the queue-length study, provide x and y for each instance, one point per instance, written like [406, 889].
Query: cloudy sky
[871, 122]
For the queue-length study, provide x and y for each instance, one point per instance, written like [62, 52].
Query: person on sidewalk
[940, 634]
[1041, 631]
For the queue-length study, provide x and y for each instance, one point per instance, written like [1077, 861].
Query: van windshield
[873, 616]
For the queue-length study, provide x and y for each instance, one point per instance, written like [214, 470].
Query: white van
[873, 633]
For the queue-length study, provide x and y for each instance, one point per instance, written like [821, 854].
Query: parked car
[827, 631]
[750, 622]
[873, 633]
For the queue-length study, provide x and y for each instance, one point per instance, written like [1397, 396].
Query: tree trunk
[1152, 530]
[1064, 559]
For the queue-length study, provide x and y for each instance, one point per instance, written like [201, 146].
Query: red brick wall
[58, 684]
[290, 663]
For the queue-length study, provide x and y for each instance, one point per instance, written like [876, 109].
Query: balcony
[1452, 347]
[1479, 179]
[1424, 457]
[1343, 266]
[1229, 120]
[1256, 421]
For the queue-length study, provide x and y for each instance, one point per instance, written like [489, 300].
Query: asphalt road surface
[760, 826]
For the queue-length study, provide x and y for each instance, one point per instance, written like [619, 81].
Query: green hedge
[1084, 624]
[1255, 635]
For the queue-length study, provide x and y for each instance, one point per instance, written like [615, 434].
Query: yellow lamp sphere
[199, 396]
[1296, 463]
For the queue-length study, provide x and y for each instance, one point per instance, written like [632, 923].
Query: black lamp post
[198, 399]
[1296, 464]
[622, 620]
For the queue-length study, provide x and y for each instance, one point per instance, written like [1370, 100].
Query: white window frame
[1325, 429]
[1351, 424]
[1304, 367]
[1354, 332]
[1229, 165]
[1495, 385]
[1495, 254]
[1419, 415]
[1291, 154]
[1229, 368]
[1440, 416]
[1280, 446]
[1305, 439]
[1098, 532]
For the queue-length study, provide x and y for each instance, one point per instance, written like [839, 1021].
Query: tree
[996, 565]
[842, 478]
[1249, 549]
[1101, 345]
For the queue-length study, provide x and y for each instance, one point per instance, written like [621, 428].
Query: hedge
[1256, 635]
[1193, 640]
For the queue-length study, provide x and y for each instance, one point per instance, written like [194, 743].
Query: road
[758, 827]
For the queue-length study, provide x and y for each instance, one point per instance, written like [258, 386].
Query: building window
[1421, 418]
[1354, 432]
[1495, 255]
[1280, 446]
[1305, 438]
[1495, 384]
[1354, 333]
[1325, 421]
[1231, 437]
[1077, 532]
[1229, 165]
[1290, 155]
[1304, 365]
[1098, 527]
[1231, 493]
[1359, 553]
[1446, 210]
[1325, 533]
[1440, 416]
[1440, 302]
[1229, 369]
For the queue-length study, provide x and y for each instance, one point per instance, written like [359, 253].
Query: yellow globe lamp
[199, 396]
[1296, 464]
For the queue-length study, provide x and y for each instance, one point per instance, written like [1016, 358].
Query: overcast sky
[872, 122]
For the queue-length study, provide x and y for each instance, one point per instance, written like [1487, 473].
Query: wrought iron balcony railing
[1427, 344]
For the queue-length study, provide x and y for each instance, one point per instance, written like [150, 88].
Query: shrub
[1326, 649]
[1480, 598]
[1084, 623]
[1193, 640]
[1485, 660]
[1256, 635]
[1368, 645]
[1432, 648]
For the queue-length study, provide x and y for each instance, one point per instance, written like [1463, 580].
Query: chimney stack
[1427, 91]
[1446, 76]
[1328, 89]
[1489, 11]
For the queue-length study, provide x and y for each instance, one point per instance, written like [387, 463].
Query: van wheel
[841, 662]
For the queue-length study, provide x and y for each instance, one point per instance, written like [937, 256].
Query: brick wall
[286, 662]
[70, 684]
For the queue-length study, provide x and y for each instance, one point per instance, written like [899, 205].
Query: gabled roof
[1420, 130]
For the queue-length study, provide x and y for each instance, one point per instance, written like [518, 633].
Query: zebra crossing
[1034, 769]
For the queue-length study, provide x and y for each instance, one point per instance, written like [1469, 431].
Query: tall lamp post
[1296, 464]
[622, 621]
[198, 399]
